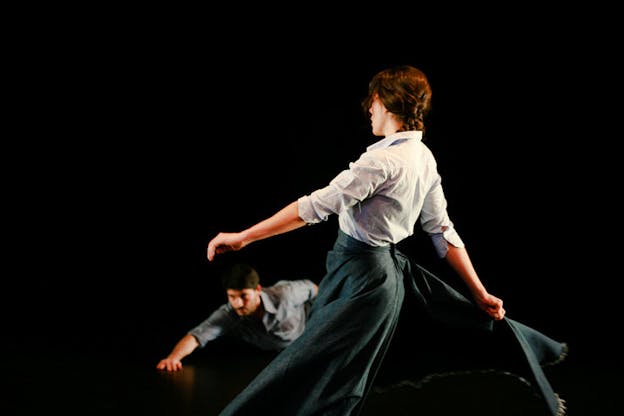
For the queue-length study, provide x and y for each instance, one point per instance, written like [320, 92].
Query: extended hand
[225, 242]
[169, 364]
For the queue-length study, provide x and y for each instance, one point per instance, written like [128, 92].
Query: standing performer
[330, 368]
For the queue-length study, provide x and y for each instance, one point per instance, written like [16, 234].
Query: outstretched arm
[184, 347]
[459, 260]
[285, 220]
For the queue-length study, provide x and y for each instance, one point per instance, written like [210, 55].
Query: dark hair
[405, 92]
[240, 276]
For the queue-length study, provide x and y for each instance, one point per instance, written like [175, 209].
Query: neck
[259, 312]
[390, 125]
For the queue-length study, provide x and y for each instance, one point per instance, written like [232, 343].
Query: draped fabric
[330, 369]
[526, 350]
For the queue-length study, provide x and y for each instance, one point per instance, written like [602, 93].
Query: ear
[258, 288]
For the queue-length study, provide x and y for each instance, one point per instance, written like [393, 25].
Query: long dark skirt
[329, 369]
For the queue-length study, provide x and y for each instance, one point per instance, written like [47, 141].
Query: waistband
[348, 243]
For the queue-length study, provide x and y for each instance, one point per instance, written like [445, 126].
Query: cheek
[377, 107]
[375, 119]
[377, 114]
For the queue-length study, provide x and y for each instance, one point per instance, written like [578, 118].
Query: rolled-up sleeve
[217, 324]
[351, 186]
[435, 221]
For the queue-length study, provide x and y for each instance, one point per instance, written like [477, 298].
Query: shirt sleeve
[435, 221]
[351, 186]
[217, 324]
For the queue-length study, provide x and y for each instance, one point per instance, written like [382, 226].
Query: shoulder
[374, 157]
[224, 310]
[287, 286]
[395, 156]
[376, 162]
[408, 155]
[281, 286]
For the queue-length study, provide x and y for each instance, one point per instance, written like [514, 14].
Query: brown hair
[240, 276]
[405, 92]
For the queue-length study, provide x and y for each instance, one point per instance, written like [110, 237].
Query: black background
[137, 143]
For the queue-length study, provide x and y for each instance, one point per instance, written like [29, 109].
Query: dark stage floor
[86, 384]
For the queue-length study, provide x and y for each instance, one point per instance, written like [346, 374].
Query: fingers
[169, 365]
[222, 243]
[212, 248]
[216, 246]
[494, 308]
[501, 310]
[210, 252]
[498, 313]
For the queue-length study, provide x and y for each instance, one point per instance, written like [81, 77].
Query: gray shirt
[384, 192]
[286, 305]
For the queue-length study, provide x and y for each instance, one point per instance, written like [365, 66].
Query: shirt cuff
[306, 211]
[200, 340]
[442, 240]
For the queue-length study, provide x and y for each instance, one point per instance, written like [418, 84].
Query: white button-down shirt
[383, 193]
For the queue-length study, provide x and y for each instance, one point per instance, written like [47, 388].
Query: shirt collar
[267, 302]
[395, 139]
